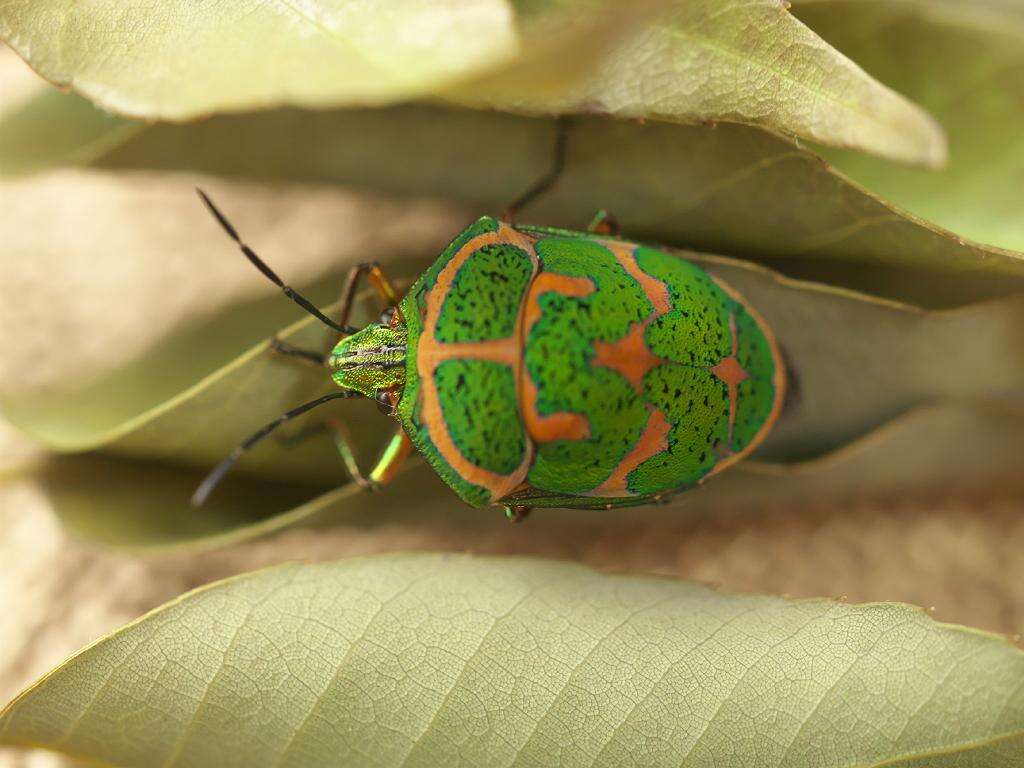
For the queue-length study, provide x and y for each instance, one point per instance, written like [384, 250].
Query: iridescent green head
[370, 361]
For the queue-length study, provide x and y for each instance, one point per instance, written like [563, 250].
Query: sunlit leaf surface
[432, 660]
[246, 54]
[749, 62]
[729, 189]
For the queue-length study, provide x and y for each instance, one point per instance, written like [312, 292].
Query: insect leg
[384, 289]
[516, 514]
[380, 282]
[604, 223]
[384, 471]
[549, 179]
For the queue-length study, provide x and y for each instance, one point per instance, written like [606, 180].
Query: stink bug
[539, 367]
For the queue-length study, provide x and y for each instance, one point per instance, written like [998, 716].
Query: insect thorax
[371, 360]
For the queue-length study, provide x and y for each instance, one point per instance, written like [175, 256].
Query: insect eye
[387, 316]
[384, 404]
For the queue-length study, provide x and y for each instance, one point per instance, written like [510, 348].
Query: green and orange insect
[538, 367]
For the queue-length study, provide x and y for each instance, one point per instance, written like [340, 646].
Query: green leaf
[965, 63]
[245, 55]
[750, 62]
[423, 660]
[730, 189]
[56, 129]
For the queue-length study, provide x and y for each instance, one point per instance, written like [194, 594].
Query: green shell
[556, 368]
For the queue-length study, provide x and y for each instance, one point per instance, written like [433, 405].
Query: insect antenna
[257, 262]
[213, 479]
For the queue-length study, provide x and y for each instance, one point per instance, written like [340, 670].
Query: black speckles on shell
[484, 299]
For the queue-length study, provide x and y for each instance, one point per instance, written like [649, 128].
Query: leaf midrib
[953, 749]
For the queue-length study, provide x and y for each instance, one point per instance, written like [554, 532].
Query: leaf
[423, 660]
[727, 189]
[748, 62]
[965, 64]
[246, 55]
[707, 60]
[58, 129]
[730, 189]
[143, 505]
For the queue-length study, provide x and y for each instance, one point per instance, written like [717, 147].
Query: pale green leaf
[749, 62]
[58, 129]
[965, 63]
[248, 54]
[433, 660]
[727, 189]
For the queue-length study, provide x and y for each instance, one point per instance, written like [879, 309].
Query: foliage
[806, 147]
[422, 660]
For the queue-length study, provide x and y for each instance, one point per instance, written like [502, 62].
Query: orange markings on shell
[556, 426]
[632, 358]
[629, 356]
[432, 353]
[778, 382]
[547, 282]
[494, 351]
[655, 290]
[729, 371]
[653, 441]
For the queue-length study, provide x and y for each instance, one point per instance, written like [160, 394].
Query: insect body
[537, 367]
[553, 368]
